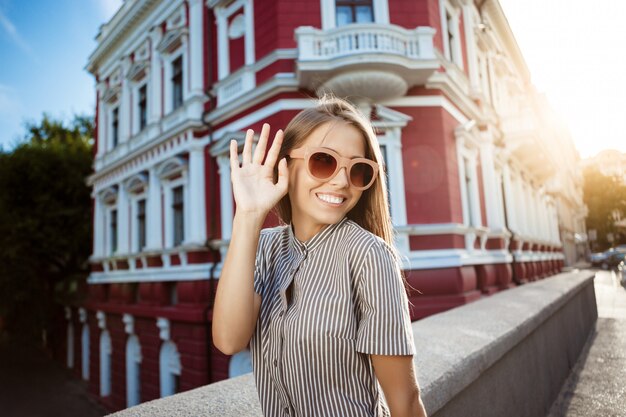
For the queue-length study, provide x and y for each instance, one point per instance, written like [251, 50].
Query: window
[178, 213]
[451, 33]
[142, 104]
[115, 127]
[354, 11]
[177, 83]
[113, 230]
[105, 364]
[141, 224]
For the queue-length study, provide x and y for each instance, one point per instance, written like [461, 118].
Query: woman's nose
[341, 178]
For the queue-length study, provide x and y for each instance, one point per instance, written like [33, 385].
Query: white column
[102, 119]
[474, 193]
[555, 217]
[98, 227]
[470, 43]
[509, 198]
[154, 89]
[197, 199]
[122, 219]
[125, 122]
[249, 35]
[154, 216]
[226, 197]
[521, 201]
[490, 186]
[195, 43]
[223, 55]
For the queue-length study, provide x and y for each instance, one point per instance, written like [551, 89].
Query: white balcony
[234, 86]
[370, 60]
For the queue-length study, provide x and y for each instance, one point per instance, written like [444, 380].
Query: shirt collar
[315, 241]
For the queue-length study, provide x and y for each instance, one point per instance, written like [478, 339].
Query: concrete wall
[505, 355]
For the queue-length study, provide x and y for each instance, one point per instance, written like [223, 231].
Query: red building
[446, 87]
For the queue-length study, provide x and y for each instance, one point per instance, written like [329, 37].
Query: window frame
[114, 126]
[451, 26]
[329, 13]
[169, 181]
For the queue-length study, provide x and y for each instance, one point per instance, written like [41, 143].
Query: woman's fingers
[247, 147]
[234, 158]
[259, 152]
[283, 174]
[272, 155]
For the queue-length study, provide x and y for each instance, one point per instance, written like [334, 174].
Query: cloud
[15, 36]
[108, 8]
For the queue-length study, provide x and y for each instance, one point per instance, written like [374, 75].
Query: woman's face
[310, 213]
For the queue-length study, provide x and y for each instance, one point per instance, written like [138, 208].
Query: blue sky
[574, 52]
[44, 47]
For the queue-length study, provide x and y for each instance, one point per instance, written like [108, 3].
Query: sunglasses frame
[306, 153]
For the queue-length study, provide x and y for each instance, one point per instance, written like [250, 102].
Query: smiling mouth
[336, 201]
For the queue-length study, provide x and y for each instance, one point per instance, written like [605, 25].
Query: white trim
[169, 367]
[133, 371]
[164, 328]
[428, 101]
[263, 113]
[192, 272]
[129, 323]
[105, 363]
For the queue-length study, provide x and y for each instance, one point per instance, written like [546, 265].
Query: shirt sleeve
[259, 265]
[385, 325]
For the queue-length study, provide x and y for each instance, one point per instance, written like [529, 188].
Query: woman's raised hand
[253, 181]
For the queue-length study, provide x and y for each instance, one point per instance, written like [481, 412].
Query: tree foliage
[45, 220]
[605, 198]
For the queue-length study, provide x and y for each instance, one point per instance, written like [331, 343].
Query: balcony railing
[317, 44]
[323, 54]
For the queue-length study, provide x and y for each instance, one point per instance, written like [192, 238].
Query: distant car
[598, 258]
[613, 259]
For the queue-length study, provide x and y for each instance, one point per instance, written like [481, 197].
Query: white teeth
[330, 199]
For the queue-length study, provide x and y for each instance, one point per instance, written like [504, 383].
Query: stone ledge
[453, 348]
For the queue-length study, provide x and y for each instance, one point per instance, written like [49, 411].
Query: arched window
[240, 363]
[170, 368]
[85, 349]
[133, 371]
[105, 364]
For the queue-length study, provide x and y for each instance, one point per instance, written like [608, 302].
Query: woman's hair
[372, 210]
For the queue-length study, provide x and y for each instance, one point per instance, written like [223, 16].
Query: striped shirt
[326, 305]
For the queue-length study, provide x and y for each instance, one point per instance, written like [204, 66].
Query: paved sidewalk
[33, 385]
[597, 384]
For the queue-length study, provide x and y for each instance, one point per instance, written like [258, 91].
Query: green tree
[605, 198]
[45, 221]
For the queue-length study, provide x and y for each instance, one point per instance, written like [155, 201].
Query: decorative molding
[129, 323]
[164, 328]
[82, 315]
[102, 319]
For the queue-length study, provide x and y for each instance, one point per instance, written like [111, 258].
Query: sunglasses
[323, 164]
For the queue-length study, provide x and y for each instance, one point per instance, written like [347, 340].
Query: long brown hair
[372, 210]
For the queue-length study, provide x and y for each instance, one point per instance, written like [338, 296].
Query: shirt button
[287, 410]
[280, 314]
[275, 362]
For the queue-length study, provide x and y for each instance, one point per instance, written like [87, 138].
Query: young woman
[321, 299]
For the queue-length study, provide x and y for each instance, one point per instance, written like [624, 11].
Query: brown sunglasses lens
[361, 174]
[322, 165]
